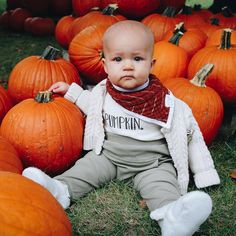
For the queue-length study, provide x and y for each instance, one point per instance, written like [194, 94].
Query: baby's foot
[183, 216]
[58, 189]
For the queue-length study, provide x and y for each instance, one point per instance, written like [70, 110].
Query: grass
[116, 209]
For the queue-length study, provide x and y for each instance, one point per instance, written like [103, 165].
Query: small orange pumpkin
[9, 158]
[29, 209]
[46, 132]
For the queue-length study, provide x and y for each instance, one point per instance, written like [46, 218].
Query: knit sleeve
[200, 159]
[79, 96]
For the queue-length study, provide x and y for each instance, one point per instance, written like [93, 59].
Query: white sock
[183, 216]
[55, 187]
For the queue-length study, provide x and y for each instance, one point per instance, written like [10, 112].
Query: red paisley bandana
[149, 102]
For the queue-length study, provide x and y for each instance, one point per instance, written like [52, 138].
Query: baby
[135, 128]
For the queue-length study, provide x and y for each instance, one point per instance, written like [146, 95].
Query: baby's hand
[59, 87]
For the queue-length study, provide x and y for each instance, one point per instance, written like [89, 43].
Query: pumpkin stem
[178, 33]
[186, 10]
[43, 97]
[197, 7]
[226, 39]
[169, 11]
[200, 77]
[214, 21]
[109, 10]
[51, 53]
[226, 12]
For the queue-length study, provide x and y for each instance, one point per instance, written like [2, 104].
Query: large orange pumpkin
[222, 78]
[38, 73]
[85, 52]
[9, 158]
[28, 209]
[205, 102]
[5, 103]
[46, 132]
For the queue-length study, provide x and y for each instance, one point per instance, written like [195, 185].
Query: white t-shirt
[117, 121]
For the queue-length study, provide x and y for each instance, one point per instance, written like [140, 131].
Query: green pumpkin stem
[43, 97]
[226, 39]
[200, 77]
[169, 11]
[109, 10]
[51, 53]
[178, 33]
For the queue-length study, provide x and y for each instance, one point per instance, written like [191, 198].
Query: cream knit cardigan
[184, 138]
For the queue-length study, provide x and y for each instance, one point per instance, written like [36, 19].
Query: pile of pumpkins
[196, 58]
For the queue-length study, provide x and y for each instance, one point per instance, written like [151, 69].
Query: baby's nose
[128, 65]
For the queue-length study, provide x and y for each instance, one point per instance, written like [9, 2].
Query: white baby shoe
[55, 187]
[183, 216]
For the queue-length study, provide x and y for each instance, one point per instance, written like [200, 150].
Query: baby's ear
[153, 62]
[104, 64]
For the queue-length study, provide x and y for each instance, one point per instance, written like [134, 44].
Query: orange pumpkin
[5, 103]
[210, 26]
[39, 26]
[107, 16]
[62, 30]
[192, 40]
[82, 7]
[37, 73]
[205, 102]
[171, 60]
[85, 52]
[161, 23]
[222, 78]
[17, 18]
[29, 209]
[189, 17]
[215, 38]
[46, 132]
[134, 9]
[9, 158]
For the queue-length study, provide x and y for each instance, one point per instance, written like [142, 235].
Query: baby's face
[128, 59]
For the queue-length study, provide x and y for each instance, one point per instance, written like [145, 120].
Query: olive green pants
[148, 164]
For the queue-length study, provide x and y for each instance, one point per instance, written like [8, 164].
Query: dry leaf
[233, 175]
[142, 204]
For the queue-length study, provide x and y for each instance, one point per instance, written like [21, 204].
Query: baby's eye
[117, 59]
[138, 58]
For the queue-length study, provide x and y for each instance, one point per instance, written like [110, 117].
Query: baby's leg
[88, 173]
[177, 215]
